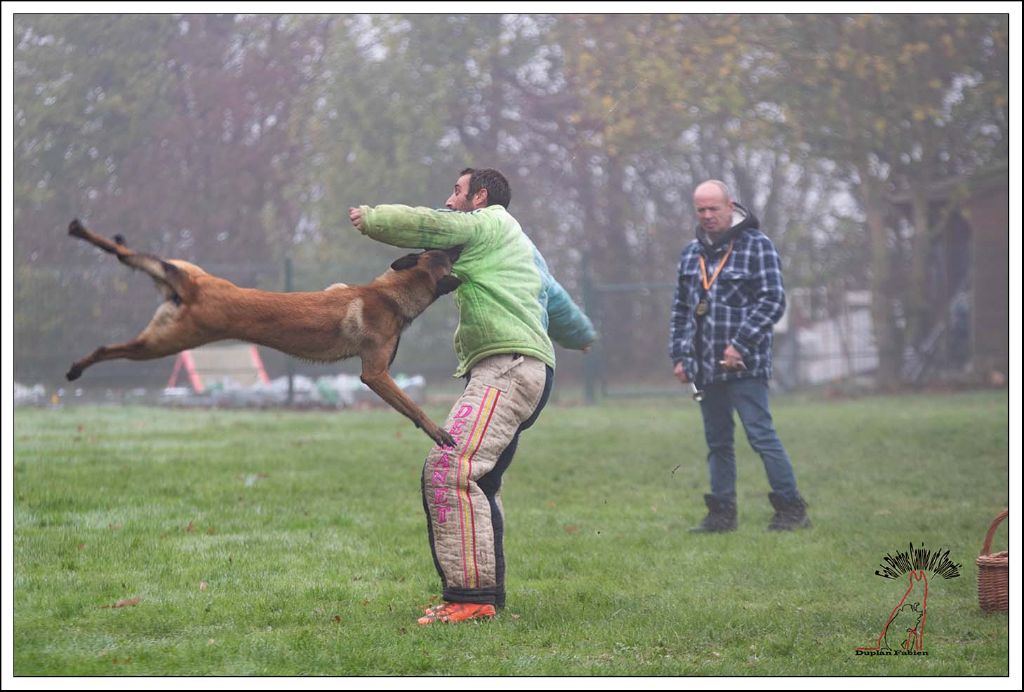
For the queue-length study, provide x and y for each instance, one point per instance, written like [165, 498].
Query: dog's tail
[163, 272]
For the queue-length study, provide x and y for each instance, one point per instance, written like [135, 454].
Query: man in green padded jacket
[510, 308]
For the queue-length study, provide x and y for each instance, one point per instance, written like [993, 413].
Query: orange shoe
[457, 612]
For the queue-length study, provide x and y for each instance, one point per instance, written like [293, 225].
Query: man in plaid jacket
[728, 298]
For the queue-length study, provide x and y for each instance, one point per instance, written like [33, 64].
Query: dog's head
[438, 263]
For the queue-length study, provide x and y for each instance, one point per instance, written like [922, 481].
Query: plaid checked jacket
[745, 302]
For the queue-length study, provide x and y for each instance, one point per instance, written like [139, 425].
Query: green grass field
[286, 543]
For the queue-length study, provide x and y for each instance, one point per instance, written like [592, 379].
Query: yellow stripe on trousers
[470, 570]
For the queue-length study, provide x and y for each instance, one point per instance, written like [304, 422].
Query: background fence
[63, 315]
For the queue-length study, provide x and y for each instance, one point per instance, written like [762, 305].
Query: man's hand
[680, 372]
[732, 359]
[356, 217]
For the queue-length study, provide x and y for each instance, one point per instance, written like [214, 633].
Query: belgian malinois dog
[339, 322]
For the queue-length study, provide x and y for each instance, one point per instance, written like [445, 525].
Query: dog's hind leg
[134, 350]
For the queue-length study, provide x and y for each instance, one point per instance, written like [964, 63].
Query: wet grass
[280, 543]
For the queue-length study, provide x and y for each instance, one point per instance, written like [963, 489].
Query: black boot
[789, 515]
[721, 516]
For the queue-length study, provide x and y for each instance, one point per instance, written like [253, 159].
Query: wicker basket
[994, 573]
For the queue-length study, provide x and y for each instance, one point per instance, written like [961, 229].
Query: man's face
[714, 211]
[460, 199]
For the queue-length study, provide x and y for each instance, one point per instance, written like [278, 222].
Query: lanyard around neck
[708, 283]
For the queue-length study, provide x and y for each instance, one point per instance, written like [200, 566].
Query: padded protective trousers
[462, 485]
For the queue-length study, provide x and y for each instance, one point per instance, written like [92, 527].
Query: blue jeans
[749, 397]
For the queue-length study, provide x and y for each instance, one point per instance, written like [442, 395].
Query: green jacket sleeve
[420, 227]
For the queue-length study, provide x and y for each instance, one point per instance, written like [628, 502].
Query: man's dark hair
[493, 181]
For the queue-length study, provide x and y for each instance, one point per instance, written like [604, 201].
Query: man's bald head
[713, 203]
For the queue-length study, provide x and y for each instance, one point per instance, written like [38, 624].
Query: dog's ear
[407, 262]
[453, 253]
[446, 285]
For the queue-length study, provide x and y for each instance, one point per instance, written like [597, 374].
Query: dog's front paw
[74, 373]
[443, 438]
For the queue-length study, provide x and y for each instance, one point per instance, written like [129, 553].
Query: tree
[653, 105]
[178, 132]
[903, 104]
